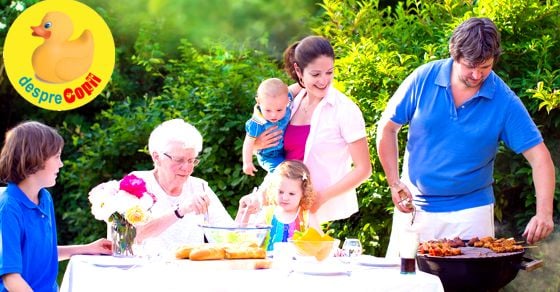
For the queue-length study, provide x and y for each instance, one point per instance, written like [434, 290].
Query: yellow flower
[135, 215]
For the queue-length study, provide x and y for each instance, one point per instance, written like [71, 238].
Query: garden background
[202, 60]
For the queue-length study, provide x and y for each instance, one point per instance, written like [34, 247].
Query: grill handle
[529, 265]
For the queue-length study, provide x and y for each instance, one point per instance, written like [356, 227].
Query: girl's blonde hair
[294, 169]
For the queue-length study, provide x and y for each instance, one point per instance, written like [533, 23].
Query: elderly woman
[183, 201]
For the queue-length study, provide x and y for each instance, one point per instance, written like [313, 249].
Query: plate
[323, 269]
[371, 261]
[111, 261]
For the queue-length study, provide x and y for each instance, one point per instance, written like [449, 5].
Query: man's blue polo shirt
[450, 152]
[28, 243]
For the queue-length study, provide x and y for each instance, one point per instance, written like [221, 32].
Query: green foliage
[10, 10]
[210, 80]
[216, 92]
[378, 47]
[211, 89]
[550, 99]
[265, 25]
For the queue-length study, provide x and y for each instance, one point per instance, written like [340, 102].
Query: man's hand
[538, 228]
[402, 198]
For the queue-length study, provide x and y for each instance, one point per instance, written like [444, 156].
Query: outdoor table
[105, 273]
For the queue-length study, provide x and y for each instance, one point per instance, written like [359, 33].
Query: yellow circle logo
[59, 54]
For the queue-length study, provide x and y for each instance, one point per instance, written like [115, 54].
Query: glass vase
[122, 236]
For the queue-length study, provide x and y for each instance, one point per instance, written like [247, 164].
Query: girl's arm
[244, 215]
[248, 205]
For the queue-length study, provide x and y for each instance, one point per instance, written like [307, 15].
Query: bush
[212, 86]
[214, 90]
[378, 47]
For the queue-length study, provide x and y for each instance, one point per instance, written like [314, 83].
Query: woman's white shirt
[336, 122]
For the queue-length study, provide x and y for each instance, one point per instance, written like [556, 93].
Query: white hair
[176, 130]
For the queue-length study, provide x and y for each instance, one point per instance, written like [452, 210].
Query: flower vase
[122, 235]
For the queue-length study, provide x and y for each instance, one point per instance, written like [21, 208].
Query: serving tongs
[408, 204]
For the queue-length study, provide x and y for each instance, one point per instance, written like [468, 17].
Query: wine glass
[352, 247]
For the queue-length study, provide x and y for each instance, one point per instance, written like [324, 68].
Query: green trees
[213, 89]
[212, 86]
[378, 47]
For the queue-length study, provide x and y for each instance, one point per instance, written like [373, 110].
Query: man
[458, 110]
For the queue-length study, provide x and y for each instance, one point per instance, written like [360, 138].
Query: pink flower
[133, 185]
[127, 199]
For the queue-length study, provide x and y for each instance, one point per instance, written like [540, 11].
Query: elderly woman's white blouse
[186, 230]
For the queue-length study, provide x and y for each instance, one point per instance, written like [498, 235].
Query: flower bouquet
[123, 205]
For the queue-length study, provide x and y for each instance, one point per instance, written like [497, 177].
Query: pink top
[294, 141]
[336, 122]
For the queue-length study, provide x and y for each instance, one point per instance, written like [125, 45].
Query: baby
[272, 109]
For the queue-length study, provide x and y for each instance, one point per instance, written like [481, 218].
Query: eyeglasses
[182, 161]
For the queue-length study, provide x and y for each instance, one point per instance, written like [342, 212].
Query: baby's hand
[249, 169]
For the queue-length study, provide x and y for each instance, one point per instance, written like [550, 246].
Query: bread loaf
[184, 252]
[207, 251]
[202, 253]
[243, 252]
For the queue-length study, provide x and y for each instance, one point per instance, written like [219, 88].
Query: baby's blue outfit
[268, 158]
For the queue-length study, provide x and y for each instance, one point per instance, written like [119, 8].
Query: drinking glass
[283, 255]
[408, 249]
[352, 247]
[149, 250]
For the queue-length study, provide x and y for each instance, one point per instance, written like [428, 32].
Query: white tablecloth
[88, 273]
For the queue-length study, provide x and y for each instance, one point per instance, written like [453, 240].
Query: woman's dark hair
[304, 52]
[26, 149]
[475, 41]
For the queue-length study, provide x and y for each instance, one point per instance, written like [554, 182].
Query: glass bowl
[236, 234]
[321, 250]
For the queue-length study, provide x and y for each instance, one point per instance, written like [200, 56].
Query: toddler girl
[292, 196]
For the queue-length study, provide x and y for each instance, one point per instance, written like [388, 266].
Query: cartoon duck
[58, 59]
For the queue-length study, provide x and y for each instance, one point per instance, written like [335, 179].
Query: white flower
[17, 5]
[2, 25]
[101, 198]
[107, 198]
